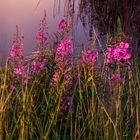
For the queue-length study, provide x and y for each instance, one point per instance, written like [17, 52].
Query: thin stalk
[1, 100]
[114, 126]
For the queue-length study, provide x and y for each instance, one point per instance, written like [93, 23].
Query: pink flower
[37, 65]
[118, 53]
[18, 71]
[89, 57]
[55, 77]
[41, 65]
[61, 25]
[63, 60]
[12, 54]
[16, 51]
[27, 76]
[39, 37]
[42, 35]
[64, 52]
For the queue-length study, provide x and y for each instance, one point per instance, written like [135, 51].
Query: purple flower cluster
[26, 77]
[89, 57]
[119, 53]
[16, 55]
[37, 66]
[64, 53]
[63, 60]
[16, 52]
[18, 71]
[41, 37]
[16, 58]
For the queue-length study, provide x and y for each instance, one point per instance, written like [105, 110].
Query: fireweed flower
[65, 24]
[16, 52]
[12, 53]
[18, 71]
[16, 55]
[109, 55]
[61, 25]
[63, 60]
[42, 35]
[26, 77]
[120, 53]
[37, 65]
[124, 51]
[89, 57]
[64, 49]
[56, 77]
[40, 61]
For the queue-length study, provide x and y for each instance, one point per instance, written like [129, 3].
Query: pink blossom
[18, 71]
[119, 53]
[37, 65]
[63, 60]
[12, 54]
[26, 76]
[16, 51]
[61, 25]
[89, 57]
[55, 77]
[41, 36]
[64, 53]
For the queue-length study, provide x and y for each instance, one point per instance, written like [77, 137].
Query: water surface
[25, 14]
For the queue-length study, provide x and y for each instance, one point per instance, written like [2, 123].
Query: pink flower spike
[12, 54]
[61, 25]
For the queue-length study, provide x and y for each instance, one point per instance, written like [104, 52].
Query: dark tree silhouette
[104, 15]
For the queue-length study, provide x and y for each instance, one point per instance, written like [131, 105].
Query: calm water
[24, 14]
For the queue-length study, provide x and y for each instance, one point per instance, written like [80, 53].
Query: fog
[26, 14]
